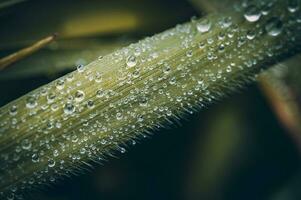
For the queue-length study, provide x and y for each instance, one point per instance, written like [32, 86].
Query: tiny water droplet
[80, 68]
[90, 104]
[13, 110]
[79, 96]
[60, 84]
[31, 102]
[131, 61]
[122, 150]
[119, 116]
[251, 34]
[26, 144]
[51, 163]
[35, 158]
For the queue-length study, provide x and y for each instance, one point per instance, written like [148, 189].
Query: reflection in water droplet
[252, 13]
[69, 108]
[293, 5]
[203, 26]
[131, 61]
[274, 26]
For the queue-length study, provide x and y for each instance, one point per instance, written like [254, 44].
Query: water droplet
[31, 102]
[50, 97]
[98, 77]
[60, 84]
[51, 163]
[274, 26]
[55, 153]
[131, 61]
[80, 68]
[189, 53]
[122, 150]
[119, 116]
[26, 144]
[69, 108]
[228, 69]
[226, 22]
[293, 5]
[166, 69]
[100, 93]
[203, 26]
[13, 110]
[252, 13]
[79, 96]
[90, 104]
[251, 34]
[35, 158]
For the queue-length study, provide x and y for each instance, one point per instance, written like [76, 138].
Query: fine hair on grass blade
[101, 108]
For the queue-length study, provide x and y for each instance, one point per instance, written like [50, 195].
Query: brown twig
[14, 57]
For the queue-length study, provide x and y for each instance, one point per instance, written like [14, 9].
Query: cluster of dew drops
[69, 97]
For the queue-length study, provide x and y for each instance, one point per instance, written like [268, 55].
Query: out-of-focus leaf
[9, 3]
[87, 18]
[281, 86]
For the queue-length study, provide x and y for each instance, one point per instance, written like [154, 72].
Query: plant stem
[99, 109]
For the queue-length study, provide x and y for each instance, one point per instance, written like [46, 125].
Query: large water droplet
[293, 5]
[203, 26]
[274, 26]
[252, 13]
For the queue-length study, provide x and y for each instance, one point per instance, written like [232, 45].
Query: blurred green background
[234, 149]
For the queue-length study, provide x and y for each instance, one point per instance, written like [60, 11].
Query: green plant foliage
[99, 109]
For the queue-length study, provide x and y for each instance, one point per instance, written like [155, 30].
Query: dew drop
[26, 144]
[251, 34]
[50, 97]
[90, 104]
[166, 69]
[55, 153]
[98, 77]
[69, 108]
[35, 158]
[252, 13]
[60, 84]
[189, 53]
[203, 26]
[31, 102]
[100, 93]
[122, 150]
[226, 22]
[293, 5]
[51, 163]
[80, 68]
[13, 110]
[131, 61]
[79, 96]
[119, 116]
[274, 26]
